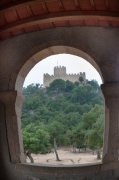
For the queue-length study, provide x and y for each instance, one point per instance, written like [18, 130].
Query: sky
[73, 64]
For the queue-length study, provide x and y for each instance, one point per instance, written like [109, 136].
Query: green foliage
[94, 84]
[91, 117]
[36, 139]
[81, 79]
[95, 136]
[65, 111]
[69, 86]
[83, 95]
[80, 134]
[57, 86]
[55, 129]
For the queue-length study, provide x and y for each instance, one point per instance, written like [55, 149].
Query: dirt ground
[66, 156]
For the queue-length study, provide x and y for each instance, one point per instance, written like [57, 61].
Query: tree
[69, 86]
[81, 141]
[66, 114]
[81, 79]
[36, 140]
[76, 83]
[91, 117]
[55, 130]
[95, 135]
[94, 84]
[57, 85]
[32, 88]
[81, 94]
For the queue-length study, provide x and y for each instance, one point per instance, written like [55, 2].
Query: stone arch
[17, 78]
[35, 55]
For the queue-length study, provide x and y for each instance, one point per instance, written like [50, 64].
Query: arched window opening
[63, 113]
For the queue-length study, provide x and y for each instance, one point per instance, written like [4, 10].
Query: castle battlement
[60, 73]
[59, 67]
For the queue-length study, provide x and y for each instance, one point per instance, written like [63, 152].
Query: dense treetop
[66, 111]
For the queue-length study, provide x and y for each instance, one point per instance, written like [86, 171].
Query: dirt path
[66, 156]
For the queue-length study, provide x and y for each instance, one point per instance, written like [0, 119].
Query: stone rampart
[60, 73]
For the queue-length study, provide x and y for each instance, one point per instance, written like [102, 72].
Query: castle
[60, 73]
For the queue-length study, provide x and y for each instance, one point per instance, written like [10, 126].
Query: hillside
[62, 114]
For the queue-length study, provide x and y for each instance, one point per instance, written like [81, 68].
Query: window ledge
[66, 169]
[59, 169]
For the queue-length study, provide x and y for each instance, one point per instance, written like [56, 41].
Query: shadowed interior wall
[102, 44]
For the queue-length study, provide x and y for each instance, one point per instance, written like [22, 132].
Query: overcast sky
[73, 64]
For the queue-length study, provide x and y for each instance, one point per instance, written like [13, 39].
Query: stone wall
[60, 73]
[102, 45]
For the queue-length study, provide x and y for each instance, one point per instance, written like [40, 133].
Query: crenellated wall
[60, 73]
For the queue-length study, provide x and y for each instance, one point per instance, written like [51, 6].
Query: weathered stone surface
[111, 136]
[60, 73]
[100, 47]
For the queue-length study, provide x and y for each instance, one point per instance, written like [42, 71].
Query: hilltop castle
[60, 73]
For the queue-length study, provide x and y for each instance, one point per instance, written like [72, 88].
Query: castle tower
[60, 72]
